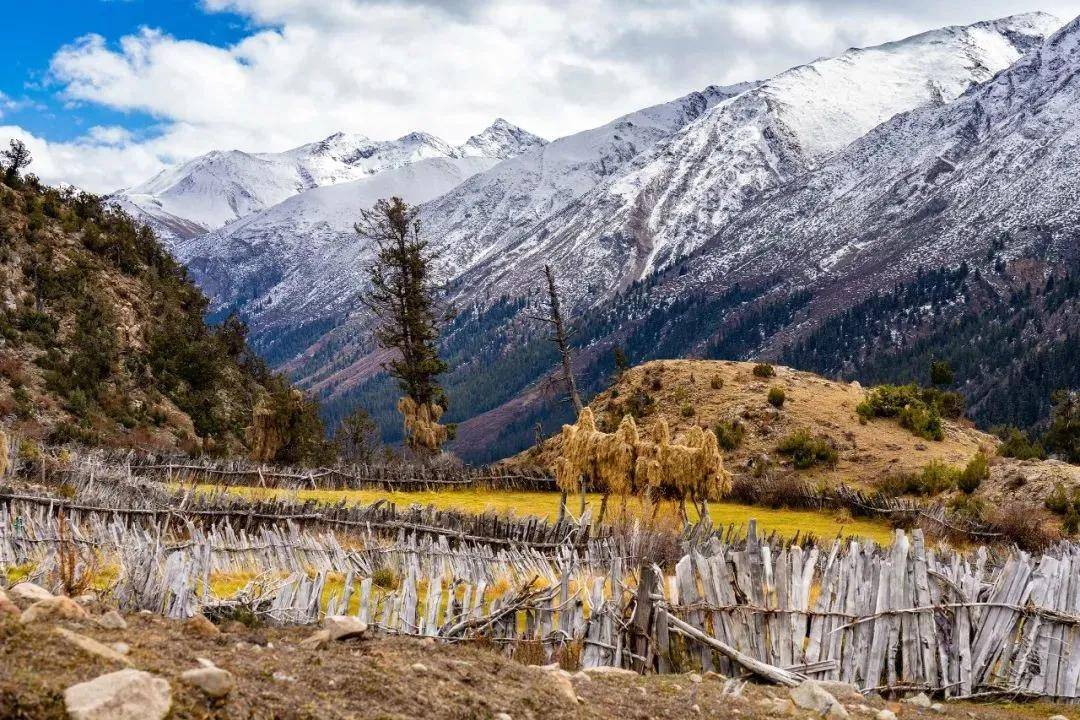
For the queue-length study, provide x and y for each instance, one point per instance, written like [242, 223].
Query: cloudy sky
[107, 92]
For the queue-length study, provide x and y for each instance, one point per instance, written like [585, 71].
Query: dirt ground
[278, 678]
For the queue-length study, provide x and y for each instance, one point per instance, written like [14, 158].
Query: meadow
[825, 524]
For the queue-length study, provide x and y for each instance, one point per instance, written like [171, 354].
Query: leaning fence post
[641, 622]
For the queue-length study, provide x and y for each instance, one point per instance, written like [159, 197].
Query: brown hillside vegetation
[703, 393]
[103, 338]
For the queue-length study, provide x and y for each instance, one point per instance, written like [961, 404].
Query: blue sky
[109, 92]
[38, 28]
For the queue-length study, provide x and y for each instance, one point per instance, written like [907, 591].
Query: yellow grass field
[824, 524]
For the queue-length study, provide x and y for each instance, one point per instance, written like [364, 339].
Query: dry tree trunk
[561, 339]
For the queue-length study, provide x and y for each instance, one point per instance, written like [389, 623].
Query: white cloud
[385, 68]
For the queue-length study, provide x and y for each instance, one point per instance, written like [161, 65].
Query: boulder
[199, 626]
[419, 667]
[112, 620]
[92, 647]
[213, 681]
[54, 608]
[343, 627]
[123, 695]
[810, 695]
[920, 700]
[28, 592]
[842, 691]
[885, 714]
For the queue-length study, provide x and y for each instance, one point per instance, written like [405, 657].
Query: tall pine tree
[403, 298]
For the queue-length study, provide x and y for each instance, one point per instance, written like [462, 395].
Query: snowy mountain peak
[501, 139]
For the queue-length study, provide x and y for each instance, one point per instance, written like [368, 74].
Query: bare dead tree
[561, 338]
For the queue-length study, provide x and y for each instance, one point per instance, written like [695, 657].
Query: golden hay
[422, 428]
[622, 463]
[265, 436]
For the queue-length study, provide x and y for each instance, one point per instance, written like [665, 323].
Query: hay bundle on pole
[422, 428]
[622, 463]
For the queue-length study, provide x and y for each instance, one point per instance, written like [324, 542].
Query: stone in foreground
[123, 695]
[343, 627]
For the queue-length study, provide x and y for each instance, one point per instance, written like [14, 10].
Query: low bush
[729, 433]
[716, 382]
[806, 450]
[1024, 525]
[764, 370]
[977, 470]
[1016, 444]
[687, 410]
[777, 396]
[918, 409]
[935, 477]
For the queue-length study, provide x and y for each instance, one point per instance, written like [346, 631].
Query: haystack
[422, 428]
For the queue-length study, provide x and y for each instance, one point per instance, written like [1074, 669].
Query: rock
[123, 695]
[419, 667]
[938, 708]
[695, 678]
[29, 592]
[810, 695]
[213, 681]
[564, 687]
[91, 646]
[282, 677]
[54, 608]
[837, 712]
[112, 620]
[87, 599]
[610, 670]
[1057, 717]
[316, 639]
[885, 714]
[919, 700]
[205, 662]
[502, 716]
[199, 626]
[121, 647]
[781, 706]
[695, 708]
[581, 676]
[343, 627]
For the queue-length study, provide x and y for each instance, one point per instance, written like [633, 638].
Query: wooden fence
[907, 617]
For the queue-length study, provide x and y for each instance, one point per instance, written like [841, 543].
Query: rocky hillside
[102, 337]
[727, 394]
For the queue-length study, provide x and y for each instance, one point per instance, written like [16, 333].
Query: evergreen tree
[940, 373]
[1063, 437]
[403, 299]
[16, 157]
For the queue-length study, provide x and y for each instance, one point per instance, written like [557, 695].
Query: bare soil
[277, 678]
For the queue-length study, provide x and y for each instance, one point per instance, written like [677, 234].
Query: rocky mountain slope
[102, 336]
[674, 195]
[212, 190]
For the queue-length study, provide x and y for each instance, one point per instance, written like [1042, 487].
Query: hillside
[708, 392]
[102, 337]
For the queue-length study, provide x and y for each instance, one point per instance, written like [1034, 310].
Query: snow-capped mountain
[993, 174]
[484, 215]
[673, 196]
[212, 190]
[301, 259]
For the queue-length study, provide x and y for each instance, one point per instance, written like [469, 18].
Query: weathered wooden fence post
[641, 622]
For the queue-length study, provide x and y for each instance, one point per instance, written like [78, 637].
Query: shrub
[687, 410]
[918, 409]
[639, 403]
[1063, 436]
[777, 396]
[716, 382]
[935, 477]
[1024, 525]
[807, 451]
[729, 433]
[764, 370]
[1016, 444]
[977, 470]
